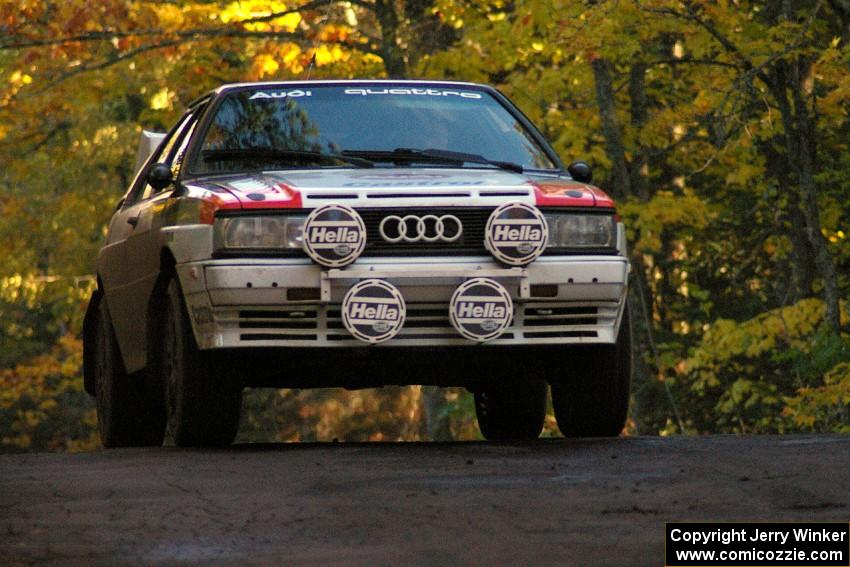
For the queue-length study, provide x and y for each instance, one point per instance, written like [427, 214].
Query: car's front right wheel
[129, 411]
[203, 393]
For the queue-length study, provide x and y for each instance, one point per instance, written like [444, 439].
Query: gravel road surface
[553, 502]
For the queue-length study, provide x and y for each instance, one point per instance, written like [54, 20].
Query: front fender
[188, 243]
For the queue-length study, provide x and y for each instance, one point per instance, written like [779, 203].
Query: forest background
[720, 127]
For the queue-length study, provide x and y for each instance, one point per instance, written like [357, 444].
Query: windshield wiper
[432, 155]
[272, 154]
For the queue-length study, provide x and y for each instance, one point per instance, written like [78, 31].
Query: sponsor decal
[412, 92]
[373, 311]
[251, 186]
[427, 228]
[481, 309]
[516, 234]
[396, 175]
[281, 94]
[334, 235]
[414, 184]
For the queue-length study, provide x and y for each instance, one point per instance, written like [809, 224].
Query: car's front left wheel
[203, 391]
[129, 410]
[591, 399]
[511, 410]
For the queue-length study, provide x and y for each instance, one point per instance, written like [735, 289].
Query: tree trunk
[799, 143]
[436, 420]
[791, 223]
[640, 164]
[391, 53]
[803, 269]
[620, 183]
[640, 293]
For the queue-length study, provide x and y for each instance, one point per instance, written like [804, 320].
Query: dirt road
[556, 502]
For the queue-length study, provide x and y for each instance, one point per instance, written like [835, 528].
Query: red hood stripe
[562, 193]
[279, 197]
[264, 194]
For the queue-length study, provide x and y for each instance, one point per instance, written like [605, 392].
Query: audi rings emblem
[427, 228]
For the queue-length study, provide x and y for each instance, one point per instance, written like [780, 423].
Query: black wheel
[129, 412]
[511, 410]
[592, 400]
[202, 391]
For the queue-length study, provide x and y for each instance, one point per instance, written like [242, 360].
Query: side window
[178, 138]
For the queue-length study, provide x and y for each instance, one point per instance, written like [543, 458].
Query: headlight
[259, 232]
[581, 231]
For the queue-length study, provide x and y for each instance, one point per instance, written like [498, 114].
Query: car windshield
[357, 126]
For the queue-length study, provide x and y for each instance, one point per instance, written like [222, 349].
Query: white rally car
[357, 234]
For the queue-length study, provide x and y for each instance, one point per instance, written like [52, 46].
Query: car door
[130, 262]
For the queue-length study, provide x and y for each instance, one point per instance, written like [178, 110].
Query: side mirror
[580, 171]
[160, 176]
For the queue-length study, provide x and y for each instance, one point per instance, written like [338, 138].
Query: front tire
[509, 411]
[202, 391]
[129, 411]
[593, 399]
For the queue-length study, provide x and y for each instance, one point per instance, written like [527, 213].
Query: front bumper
[295, 303]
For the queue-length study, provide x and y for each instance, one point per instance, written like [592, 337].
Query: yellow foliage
[162, 99]
[265, 65]
[36, 412]
[810, 405]
[329, 54]
[18, 78]
[647, 221]
[791, 326]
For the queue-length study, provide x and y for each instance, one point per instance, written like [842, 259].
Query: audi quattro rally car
[357, 234]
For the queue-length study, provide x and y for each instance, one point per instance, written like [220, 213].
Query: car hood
[401, 187]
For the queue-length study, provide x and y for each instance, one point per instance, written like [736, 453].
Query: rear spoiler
[148, 144]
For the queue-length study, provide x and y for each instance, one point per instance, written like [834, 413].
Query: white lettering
[761, 535]
[808, 534]
[281, 94]
[504, 232]
[413, 92]
[324, 234]
[360, 310]
[469, 309]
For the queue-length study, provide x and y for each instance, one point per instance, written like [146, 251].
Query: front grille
[425, 323]
[474, 220]
[471, 242]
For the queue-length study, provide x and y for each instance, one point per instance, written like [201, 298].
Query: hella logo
[380, 312]
[469, 309]
[481, 309]
[516, 234]
[334, 235]
[373, 311]
[506, 231]
[329, 235]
